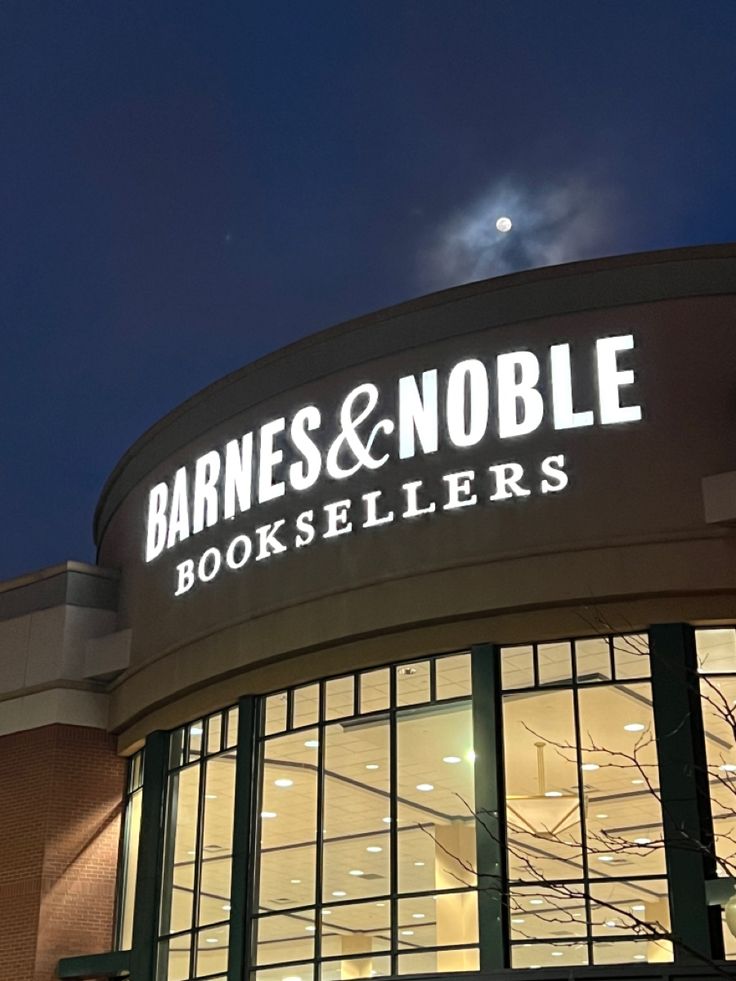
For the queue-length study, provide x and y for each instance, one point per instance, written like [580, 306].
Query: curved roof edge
[641, 277]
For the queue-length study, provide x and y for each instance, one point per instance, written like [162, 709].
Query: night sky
[187, 186]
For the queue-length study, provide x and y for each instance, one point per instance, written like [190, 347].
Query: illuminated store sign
[472, 403]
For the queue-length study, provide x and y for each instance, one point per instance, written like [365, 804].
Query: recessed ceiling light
[212, 940]
[407, 933]
[381, 905]
[553, 793]
[634, 727]
[419, 865]
[517, 920]
[374, 849]
[642, 841]
[536, 902]
[640, 957]
[191, 853]
[284, 782]
[339, 893]
[557, 953]
[292, 977]
[418, 916]
[451, 759]
[611, 923]
[227, 907]
[371, 766]
[425, 787]
[605, 858]
[326, 912]
[196, 730]
[590, 766]
[296, 882]
[269, 814]
[637, 782]
[210, 796]
[638, 908]
[386, 820]
[356, 872]
[601, 817]
[728, 767]
[309, 929]
[312, 743]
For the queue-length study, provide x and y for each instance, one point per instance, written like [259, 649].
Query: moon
[503, 224]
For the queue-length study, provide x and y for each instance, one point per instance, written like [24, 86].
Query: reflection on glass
[327, 808]
[584, 821]
[197, 858]
[412, 683]
[436, 824]
[356, 795]
[555, 663]
[288, 821]
[130, 868]
[517, 668]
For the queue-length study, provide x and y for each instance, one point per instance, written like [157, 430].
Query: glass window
[366, 842]
[130, 842]
[583, 815]
[716, 653]
[198, 841]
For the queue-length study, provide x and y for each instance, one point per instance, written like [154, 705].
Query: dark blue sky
[186, 186]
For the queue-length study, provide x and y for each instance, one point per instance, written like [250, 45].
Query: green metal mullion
[683, 781]
[145, 922]
[241, 885]
[493, 914]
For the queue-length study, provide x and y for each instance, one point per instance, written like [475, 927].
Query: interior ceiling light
[371, 766]
[557, 953]
[553, 793]
[637, 782]
[406, 672]
[407, 933]
[339, 893]
[536, 902]
[640, 957]
[296, 882]
[601, 817]
[196, 730]
[310, 929]
[417, 916]
[292, 977]
[380, 904]
[386, 820]
[312, 743]
[611, 923]
[638, 908]
[728, 767]
[227, 907]
[470, 756]
[211, 940]
[356, 872]
[642, 841]
[634, 727]
[268, 814]
[425, 787]
[210, 796]
[605, 858]
[374, 849]
[518, 919]
[284, 782]
[451, 759]
[419, 865]
[590, 766]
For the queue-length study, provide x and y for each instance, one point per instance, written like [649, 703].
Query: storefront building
[410, 649]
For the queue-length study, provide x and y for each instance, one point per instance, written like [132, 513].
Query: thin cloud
[555, 223]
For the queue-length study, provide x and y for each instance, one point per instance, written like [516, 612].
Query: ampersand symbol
[349, 425]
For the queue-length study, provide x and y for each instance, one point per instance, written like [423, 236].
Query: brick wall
[61, 789]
